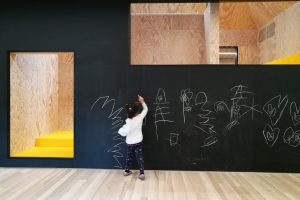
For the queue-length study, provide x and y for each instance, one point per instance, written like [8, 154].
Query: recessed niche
[191, 33]
[228, 55]
[42, 104]
[167, 33]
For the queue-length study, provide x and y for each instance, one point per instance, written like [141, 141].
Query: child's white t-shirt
[133, 127]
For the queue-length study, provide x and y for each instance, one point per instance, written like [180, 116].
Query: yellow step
[292, 59]
[59, 144]
[49, 152]
[57, 139]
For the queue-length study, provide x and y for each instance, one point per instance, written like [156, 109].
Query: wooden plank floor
[54, 184]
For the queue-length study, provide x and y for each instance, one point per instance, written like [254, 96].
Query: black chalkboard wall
[200, 117]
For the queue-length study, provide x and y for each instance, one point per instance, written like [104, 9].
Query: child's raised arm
[145, 107]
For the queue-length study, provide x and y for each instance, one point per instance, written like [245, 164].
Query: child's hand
[141, 99]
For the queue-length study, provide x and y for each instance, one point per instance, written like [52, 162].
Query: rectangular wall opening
[191, 33]
[42, 104]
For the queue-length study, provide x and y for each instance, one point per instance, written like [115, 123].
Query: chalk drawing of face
[173, 138]
[161, 96]
[185, 98]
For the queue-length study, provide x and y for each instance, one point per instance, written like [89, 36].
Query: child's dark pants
[137, 151]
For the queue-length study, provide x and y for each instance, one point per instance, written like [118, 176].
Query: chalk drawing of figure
[186, 97]
[161, 110]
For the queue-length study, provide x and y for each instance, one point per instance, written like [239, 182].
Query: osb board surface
[171, 39]
[165, 8]
[286, 41]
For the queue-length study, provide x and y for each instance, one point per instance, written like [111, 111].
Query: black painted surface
[104, 83]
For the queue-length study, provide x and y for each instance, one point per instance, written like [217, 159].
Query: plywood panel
[23, 102]
[250, 15]
[267, 50]
[66, 91]
[246, 40]
[47, 93]
[287, 32]
[236, 15]
[33, 97]
[211, 20]
[264, 12]
[160, 39]
[167, 8]
[286, 41]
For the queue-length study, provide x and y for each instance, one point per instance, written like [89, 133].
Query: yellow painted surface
[57, 139]
[49, 152]
[293, 59]
[59, 144]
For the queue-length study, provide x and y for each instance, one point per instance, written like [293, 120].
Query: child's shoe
[127, 173]
[142, 177]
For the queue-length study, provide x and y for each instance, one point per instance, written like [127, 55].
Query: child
[134, 136]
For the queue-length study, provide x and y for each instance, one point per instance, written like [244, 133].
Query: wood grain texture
[167, 8]
[250, 15]
[47, 92]
[286, 41]
[90, 184]
[247, 42]
[236, 15]
[212, 31]
[66, 91]
[264, 12]
[20, 96]
[34, 97]
[172, 39]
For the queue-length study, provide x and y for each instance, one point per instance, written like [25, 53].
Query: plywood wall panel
[161, 39]
[236, 15]
[167, 8]
[33, 98]
[66, 91]
[286, 41]
[264, 12]
[47, 92]
[288, 32]
[23, 102]
[267, 50]
[211, 26]
[246, 40]
[250, 15]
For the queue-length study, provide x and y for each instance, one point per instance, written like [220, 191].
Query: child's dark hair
[132, 110]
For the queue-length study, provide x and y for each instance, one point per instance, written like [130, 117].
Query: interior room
[197, 33]
[41, 104]
[150, 100]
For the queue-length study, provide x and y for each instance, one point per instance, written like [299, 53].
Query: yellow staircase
[292, 59]
[59, 144]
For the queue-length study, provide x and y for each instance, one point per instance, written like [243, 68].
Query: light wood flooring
[89, 184]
